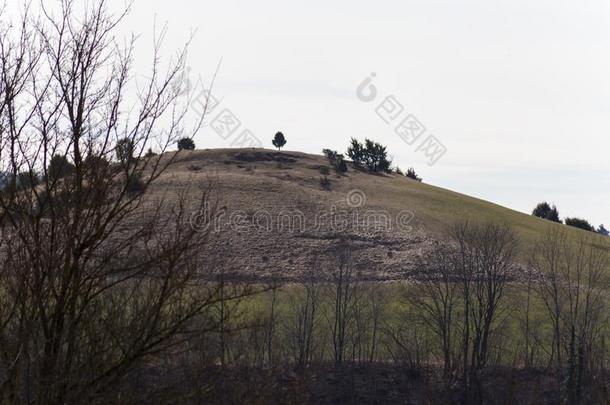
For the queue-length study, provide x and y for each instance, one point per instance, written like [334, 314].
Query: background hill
[274, 215]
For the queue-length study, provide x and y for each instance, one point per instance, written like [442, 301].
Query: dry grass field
[273, 212]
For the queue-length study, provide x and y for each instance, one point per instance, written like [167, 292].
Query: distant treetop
[602, 230]
[186, 144]
[412, 175]
[546, 211]
[579, 223]
[370, 155]
[279, 140]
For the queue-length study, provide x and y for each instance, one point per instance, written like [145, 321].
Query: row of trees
[60, 166]
[546, 211]
[411, 174]
[370, 155]
[471, 308]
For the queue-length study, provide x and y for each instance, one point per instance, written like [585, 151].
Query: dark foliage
[279, 140]
[545, 211]
[579, 223]
[186, 144]
[412, 175]
[336, 160]
[59, 167]
[28, 179]
[371, 155]
[94, 163]
[356, 152]
[125, 150]
[135, 184]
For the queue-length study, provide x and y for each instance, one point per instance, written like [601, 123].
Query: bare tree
[407, 341]
[435, 297]
[378, 302]
[95, 275]
[302, 320]
[342, 295]
[531, 322]
[272, 321]
[574, 292]
[485, 255]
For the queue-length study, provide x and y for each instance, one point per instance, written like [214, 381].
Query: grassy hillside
[257, 186]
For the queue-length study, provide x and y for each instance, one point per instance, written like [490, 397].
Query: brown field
[271, 209]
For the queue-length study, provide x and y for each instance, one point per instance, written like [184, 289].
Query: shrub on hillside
[336, 160]
[371, 155]
[545, 211]
[59, 167]
[186, 144]
[356, 152]
[376, 156]
[412, 175]
[329, 153]
[579, 223]
[135, 184]
[95, 163]
[602, 230]
[24, 180]
[124, 151]
[28, 179]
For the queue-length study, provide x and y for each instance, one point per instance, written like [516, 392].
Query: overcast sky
[517, 91]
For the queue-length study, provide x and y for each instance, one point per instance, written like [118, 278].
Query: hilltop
[274, 215]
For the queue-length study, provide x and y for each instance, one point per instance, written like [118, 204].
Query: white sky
[517, 91]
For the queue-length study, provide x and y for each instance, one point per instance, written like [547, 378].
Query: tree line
[545, 211]
[469, 309]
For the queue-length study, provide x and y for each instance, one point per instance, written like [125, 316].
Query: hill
[275, 218]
